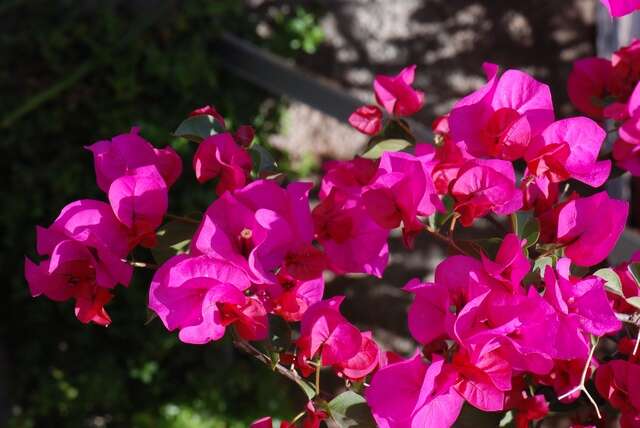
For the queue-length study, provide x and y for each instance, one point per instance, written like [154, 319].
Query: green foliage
[78, 73]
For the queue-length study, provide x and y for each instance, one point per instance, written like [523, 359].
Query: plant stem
[583, 379]
[141, 264]
[318, 367]
[447, 240]
[181, 218]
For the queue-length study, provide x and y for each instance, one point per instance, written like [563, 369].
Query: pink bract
[401, 191]
[257, 227]
[140, 200]
[352, 240]
[618, 8]
[588, 84]
[499, 119]
[220, 157]
[590, 227]
[125, 152]
[411, 393]
[367, 119]
[201, 296]
[483, 186]
[396, 95]
[328, 333]
[569, 148]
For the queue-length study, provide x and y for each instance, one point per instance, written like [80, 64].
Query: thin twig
[141, 264]
[447, 240]
[290, 374]
[583, 379]
[181, 218]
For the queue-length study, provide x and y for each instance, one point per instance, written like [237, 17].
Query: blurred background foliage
[72, 73]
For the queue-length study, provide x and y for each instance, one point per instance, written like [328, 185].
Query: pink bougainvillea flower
[364, 362]
[618, 8]
[352, 241]
[402, 191]
[447, 157]
[627, 156]
[411, 393]
[457, 280]
[483, 186]
[430, 316]
[588, 85]
[617, 381]
[484, 376]
[244, 135]
[590, 227]
[582, 308]
[201, 296]
[569, 148]
[85, 246]
[626, 150]
[348, 176]
[396, 95]
[367, 119]
[125, 152]
[524, 326]
[540, 194]
[625, 70]
[328, 333]
[220, 157]
[209, 110]
[140, 201]
[257, 227]
[296, 296]
[629, 287]
[499, 119]
[527, 408]
[510, 266]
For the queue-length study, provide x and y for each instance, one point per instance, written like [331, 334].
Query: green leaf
[263, 161]
[307, 387]
[350, 410]
[531, 232]
[393, 145]
[173, 238]
[197, 128]
[507, 420]
[634, 270]
[526, 226]
[541, 263]
[634, 301]
[611, 280]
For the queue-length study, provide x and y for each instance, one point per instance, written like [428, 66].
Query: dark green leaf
[263, 161]
[611, 280]
[634, 270]
[173, 238]
[526, 226]
[350, 410]
[307, 387]
[393, 145]
[197, 128]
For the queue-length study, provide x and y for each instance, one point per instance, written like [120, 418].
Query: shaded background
[72, 73]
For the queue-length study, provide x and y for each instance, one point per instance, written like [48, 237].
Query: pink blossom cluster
[87, 245]
[511, 330]
[609, 90]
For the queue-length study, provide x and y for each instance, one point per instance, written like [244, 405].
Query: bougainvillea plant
[528, 320]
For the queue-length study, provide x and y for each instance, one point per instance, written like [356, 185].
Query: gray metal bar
[281, 77]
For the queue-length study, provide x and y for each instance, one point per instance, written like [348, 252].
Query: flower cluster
[610, 90]
[88, 243]
[509, 324]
